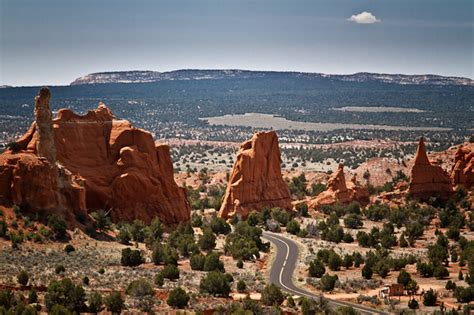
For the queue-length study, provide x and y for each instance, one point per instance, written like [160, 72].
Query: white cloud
[363, 18]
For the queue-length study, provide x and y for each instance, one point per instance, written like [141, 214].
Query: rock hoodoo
[121, 167]
[340, 191]
[427, 179]
[256, 181]
[463, 170]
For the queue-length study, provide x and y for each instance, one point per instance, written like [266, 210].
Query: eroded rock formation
[122, 168]
[463, 170]
[256, 181]
[427, 179]
[44, 124]
[340, 191]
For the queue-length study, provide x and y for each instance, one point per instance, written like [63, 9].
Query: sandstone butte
[427, 179]
[256, 181]
[463, 169]
[106, 164]
[340, 191]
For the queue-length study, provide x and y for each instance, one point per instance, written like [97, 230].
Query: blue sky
[55, 41]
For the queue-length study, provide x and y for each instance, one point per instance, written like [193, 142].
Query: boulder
[256, 181]
[120, 167]
[428, 179]
[340, 191]
[463, 169]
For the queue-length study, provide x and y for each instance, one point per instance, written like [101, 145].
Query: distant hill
[154, 76]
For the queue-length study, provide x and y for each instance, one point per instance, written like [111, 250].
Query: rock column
[45, 146]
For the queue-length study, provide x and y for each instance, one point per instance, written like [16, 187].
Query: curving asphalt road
[281, 273]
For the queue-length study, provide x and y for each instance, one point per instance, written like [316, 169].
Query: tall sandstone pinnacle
[118, 167]
[340, 191]
[427, 179]
[256, 181]
[44, 122]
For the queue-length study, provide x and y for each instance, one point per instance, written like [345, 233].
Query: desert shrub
[197, 261]
[293, 227]
[377, 212]
[348, 261]
[245, 242]
[159, 279]
[219, 226]
[215, 283]
[124, 235]
[440, 272]
[403, 278]
[207, 241]
[178, 298]
[464, 294]
[347, 238]
[334, 261]
[170, 272]
[95, 302]
[302, 209]
[450, 285]
[353, 221]
[85, 280]
[186, 245]
[425, 269]
[280, 215]
[272, 295]
[114, 302]
[102, 221]
[328, 282]
[69, 248]
[139, 288]
[164, 254]
[413, 304]
[22, 278]
[196, 220]
[367, 272]
[316, 268]
[430, 297]
[3, 228]
[65, 293]
[155, 230]
[138, 231]
[241, 286]
[213, 263]
[131, 257]
[346, 310]
[240, 264]
[32, 296]
[57, 225]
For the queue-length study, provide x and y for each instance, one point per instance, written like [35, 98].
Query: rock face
[122, 168]
[427, 179]
[463, 170]
[340, 191]
[256, 181]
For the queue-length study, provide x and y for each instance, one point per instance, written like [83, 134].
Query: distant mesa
[256, 181]
[118, 168]
[428, 179]
[195, 74]
[340, 191]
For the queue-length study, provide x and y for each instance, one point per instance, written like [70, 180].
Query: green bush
[316, 268]
[69, 248]
[215, 283]
[197, 261]
[65, 293]
[241, 286]
[240, 264]
[403, 278]
[170, 272]
[328, 282]
[114, 302]
[22, 278]
[32, 296]
[57, 225]
[207, 241]
[430, 297]
[272, 295]
[102, 222]
[59, 269]
[353, 221]
[213, 263]
[413, 304]
[139, 288]
[164, 254]
[367, 272]
[293, 227]
[334, 261]
[219, 226]
[131, 257]
[464, 294]
[95, 302]
[178, 298]
[159, 279]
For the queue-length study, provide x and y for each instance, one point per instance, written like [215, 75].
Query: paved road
[281, 273]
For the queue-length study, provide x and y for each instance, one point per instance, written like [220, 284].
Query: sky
[52, 42]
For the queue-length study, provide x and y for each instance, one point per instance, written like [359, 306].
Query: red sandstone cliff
[256, 181]
[463, 170]
[123, 169]
[427, 179]
[340, 191]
